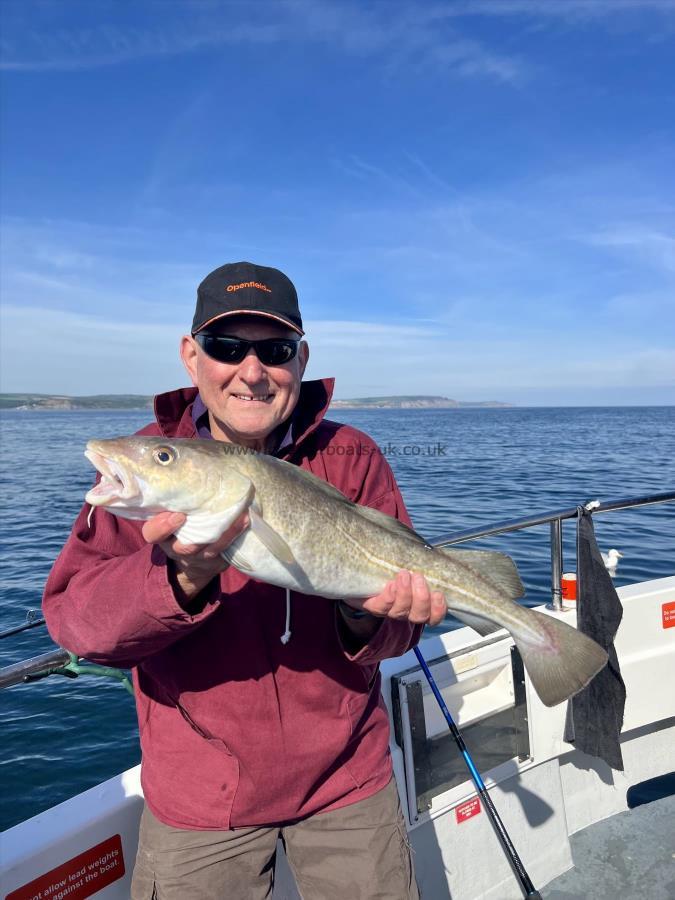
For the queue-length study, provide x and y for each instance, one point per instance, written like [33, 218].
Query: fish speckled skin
[306, 536]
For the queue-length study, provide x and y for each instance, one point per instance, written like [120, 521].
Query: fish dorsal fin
[391, 524]
[492, 565]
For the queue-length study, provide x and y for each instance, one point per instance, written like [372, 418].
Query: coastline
[63, 403]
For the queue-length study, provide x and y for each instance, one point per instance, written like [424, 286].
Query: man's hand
[193, 565]
[407, 597]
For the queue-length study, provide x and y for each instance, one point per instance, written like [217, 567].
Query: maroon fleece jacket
[236, 728]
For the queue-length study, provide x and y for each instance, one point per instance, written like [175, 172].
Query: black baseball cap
[243, 288]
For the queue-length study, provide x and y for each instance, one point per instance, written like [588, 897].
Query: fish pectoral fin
[482, 626]
[206, 526]
[271, 539]
[237, 559]
[496, 567]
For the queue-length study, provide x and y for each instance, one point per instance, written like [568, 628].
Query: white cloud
[378, 358]
[640, 306]
[651, 246]
[105, 271]
[399, 35]
[472, 296]
[110, 45]
[48, 351]
[570, 10]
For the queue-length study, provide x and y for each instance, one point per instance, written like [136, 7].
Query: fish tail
[559, 659]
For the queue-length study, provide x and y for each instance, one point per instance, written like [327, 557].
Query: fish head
[141, 476]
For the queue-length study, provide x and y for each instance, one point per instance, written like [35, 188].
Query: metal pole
[516, 863]
[556, 564]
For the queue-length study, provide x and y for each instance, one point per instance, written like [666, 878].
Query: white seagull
[611, 560]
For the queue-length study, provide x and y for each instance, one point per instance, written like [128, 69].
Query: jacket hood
[173, 410]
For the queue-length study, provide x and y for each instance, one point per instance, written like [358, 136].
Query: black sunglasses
[227, 349]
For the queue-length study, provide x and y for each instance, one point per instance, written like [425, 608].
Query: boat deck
[629, 855]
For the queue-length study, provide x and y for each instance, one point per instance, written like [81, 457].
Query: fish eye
[164, 455]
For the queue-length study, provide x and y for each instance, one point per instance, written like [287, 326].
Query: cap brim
[250, 312]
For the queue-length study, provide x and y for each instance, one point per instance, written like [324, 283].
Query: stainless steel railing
[555, 519]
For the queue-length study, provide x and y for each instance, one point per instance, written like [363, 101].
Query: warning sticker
[668, 611]
[81, 876]
[467, 810]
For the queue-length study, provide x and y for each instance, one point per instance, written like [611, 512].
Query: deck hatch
[493, 722]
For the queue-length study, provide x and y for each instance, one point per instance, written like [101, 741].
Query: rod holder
[556, 565]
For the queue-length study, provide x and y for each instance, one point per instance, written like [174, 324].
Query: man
[260, 712]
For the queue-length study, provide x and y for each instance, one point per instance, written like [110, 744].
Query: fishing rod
[57, 662]
[32, 621]
[506, 842]
[32, 669]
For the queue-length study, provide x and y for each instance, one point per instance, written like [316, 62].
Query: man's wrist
[191, 595]
[356, 630]
[350, 612]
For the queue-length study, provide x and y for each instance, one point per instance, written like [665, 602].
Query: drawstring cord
[286, 636]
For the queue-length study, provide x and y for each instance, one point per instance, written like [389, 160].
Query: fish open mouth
[115, 483]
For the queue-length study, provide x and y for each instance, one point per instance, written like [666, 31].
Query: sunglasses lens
[276, 353]
[223, 349]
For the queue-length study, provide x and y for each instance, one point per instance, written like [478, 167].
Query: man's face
[246, 400]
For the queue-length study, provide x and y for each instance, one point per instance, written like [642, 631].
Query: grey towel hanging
[595, 716]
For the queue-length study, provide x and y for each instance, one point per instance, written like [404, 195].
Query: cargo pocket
[143, 880]
[407, 867]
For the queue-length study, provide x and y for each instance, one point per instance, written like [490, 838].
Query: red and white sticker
[79, 877]
[668, 611]
[467, 810]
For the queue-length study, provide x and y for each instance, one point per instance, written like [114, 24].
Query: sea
[457, 469]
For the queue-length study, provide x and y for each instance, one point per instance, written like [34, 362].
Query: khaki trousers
[360, 852]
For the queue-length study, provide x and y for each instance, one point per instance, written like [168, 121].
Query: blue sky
[474, 199]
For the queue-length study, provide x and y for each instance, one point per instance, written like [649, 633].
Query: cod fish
[306, 536]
